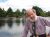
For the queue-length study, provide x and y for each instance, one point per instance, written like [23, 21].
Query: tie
[34, 30]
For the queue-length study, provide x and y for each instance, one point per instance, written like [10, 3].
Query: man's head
[31, 13]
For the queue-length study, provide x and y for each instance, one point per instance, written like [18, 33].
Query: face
[31, 16]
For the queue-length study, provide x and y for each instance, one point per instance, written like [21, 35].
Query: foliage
[18, 13]
[40, 12]
[9, 12]
[2, 13]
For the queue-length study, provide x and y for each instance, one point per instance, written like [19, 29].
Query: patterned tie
[34, 30]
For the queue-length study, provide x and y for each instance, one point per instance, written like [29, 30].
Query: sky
[26, 4]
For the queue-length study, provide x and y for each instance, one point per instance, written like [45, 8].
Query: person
[40, 23]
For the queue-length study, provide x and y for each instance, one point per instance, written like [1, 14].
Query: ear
[34, 10]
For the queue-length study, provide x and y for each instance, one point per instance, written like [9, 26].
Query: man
[40, 23]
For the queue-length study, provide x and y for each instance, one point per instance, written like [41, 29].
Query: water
[13, 30]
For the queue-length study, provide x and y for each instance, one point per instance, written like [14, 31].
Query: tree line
[18, 13]
[11, 13]
[41, 12]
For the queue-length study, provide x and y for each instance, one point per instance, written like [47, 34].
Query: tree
[48, 13]
[23, 11]
[2, 13]
[10, 12]
[38, 10]
[17, 13]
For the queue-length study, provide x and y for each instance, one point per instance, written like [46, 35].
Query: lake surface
[12, 28]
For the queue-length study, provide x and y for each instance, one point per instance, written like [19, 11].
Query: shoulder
[42, 18]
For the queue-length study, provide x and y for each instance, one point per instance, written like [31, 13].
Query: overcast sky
[20, 4]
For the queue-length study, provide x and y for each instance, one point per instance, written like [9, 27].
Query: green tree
[43, 14]
[48, 13]
[2, 13]
[38, 10]
[10, 12]
[17, 13]
[23, 12]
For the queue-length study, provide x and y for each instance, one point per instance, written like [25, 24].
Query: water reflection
[18, 21]
[14, 31]
[2, 22]
[23, 21]
[10, 22]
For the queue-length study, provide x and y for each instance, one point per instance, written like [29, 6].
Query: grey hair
[32, 10]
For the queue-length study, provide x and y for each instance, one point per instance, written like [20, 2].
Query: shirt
[40, 26]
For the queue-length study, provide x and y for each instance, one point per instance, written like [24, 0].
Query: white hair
[30, 9]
